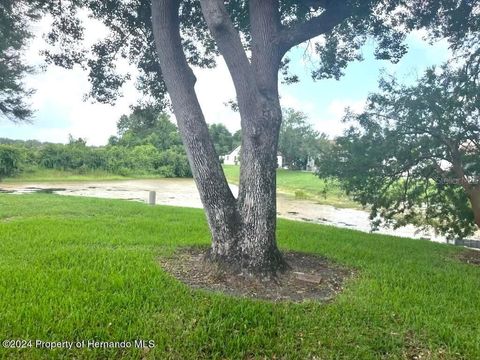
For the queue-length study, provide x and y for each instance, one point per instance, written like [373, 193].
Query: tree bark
[243, 232]
[256, 85]
[261, 122]
[474, 196]
[219, 203]
[257, 191]
[472, 190]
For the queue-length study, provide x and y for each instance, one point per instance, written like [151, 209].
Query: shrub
[10, 159]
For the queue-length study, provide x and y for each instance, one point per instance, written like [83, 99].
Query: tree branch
[319, 25]
[230, 46]
[180, 82]
[266, 55]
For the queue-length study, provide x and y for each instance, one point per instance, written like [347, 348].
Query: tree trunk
[257, 191]
[219, 202]
[474, 196]
[243, 230]
[472, 190]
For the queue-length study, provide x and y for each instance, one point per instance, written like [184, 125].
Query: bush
[300, 195]
[176, 161]
[10, 159]
[122, 160]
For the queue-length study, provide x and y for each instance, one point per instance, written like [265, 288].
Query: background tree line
[147, 143]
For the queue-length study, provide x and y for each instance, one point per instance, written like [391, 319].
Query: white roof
[235, 151]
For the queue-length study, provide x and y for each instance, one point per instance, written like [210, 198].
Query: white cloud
[214, 88]
[330, 122]
[59, 96]
[58, 100]
[305, 106]
[60, 106]
[337, 107]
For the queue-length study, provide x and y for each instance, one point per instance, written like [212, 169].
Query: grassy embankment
[74, 268]
[303, 185]
[53, 175]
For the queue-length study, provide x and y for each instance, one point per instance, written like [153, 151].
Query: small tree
[298, 139]
[147, 126]
[221, 137]
[414, 153]
[10, 158]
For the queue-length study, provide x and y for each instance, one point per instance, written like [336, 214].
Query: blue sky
[61, 110]
[324, 101]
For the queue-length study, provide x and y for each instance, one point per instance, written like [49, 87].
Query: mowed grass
[303, 185]
[76, 269]
[52, 175]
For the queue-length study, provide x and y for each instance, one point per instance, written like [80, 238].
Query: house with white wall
[234, 158]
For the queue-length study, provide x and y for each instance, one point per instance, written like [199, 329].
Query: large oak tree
[165, 38]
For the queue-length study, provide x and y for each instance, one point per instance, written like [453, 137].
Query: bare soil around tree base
[310, 277]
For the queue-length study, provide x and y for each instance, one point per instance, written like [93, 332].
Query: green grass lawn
[303, 185]
[51, 175]
[74, 269]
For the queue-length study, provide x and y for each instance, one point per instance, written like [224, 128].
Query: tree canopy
[414, 153]
[298, 140]
[147, 126]
[344, 27]
[222, 138]
[14, 35]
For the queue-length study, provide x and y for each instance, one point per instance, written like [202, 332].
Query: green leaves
[298, 140]
[10, 158]
[14, 35]
[129, 36]
[222, 138]
[414, 154]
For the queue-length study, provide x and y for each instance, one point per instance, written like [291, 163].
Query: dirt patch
[310, 277]
[470, 257]
[417, 350]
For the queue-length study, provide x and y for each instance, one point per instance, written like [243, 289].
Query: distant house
[234, 158]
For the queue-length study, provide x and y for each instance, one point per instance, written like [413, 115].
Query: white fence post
[152, 195]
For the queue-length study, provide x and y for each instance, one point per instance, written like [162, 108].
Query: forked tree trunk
[255, 250]
[243, 229]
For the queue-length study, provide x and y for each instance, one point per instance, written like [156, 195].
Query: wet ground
[183, 192]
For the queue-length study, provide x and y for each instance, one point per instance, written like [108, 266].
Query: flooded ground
[183, 192]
